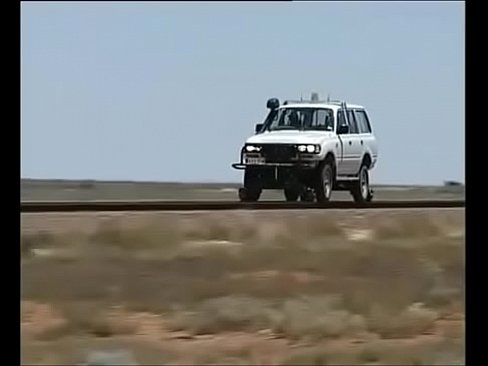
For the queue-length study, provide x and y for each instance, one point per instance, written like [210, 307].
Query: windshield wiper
[284, 128]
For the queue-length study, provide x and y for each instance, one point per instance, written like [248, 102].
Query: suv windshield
[302, 119]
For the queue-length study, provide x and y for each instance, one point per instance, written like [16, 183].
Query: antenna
[328, 98]
[301, 97]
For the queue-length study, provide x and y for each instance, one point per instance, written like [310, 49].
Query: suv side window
[362, 118]
[353, 126]
[341, 120]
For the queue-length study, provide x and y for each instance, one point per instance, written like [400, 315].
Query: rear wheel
[361, 190]
[325, 179]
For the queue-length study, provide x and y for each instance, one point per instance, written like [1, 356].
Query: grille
[278, 153]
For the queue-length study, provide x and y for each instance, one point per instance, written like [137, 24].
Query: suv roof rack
[315, 99]
[302, 101]
[341, 103]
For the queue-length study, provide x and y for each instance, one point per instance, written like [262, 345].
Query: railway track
[113, 206]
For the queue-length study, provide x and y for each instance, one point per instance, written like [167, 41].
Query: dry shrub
[228, 313]
[453, 329]
[215, 228]
[207, 228]
[307, 317]
[413, 321]
[449, 352]
[213, 358]
[301, 230]
[374, 352]
[371, 353]
[250, 229]
[418, 225]
[163, 235]
[320, 226]
[239, 354]
[312, 227]
[37, 240]
[392, 277]
[444, 297]
[444, 251]
[317, 317]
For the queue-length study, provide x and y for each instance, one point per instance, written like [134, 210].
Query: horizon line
[91, 180]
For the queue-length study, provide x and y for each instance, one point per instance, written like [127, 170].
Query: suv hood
[290, 137]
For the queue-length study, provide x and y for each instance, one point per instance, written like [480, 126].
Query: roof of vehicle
[318, 105]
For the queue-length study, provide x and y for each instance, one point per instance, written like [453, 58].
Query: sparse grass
[296, 276]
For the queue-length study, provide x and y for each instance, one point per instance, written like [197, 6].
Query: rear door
[355, 145]
[366, 137]
[345, 165]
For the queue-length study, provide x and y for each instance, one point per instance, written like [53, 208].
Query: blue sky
[170, 91]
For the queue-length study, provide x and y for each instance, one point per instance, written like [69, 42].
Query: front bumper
[297, 164]
[274, 156]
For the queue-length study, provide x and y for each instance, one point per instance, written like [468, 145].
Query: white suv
[309, 149]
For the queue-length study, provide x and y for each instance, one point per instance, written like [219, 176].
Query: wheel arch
[367, 160]
[331, 158]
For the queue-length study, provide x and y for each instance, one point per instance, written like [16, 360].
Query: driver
[293, 118]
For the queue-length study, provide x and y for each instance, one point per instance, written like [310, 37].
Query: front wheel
[252, 186]
[361, 190]
[249, 195]
[325, 179]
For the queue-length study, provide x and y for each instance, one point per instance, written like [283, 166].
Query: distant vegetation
[34, 189]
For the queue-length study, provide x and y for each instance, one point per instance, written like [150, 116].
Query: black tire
[324, 182]
[291, 194]
[252, 187]
[360, 190]
[249, 195]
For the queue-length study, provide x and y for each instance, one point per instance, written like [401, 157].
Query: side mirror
[273, 103]
[343, 130]
[258, 127]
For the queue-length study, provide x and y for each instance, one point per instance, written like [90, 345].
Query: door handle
[350, 142]
[361, 142]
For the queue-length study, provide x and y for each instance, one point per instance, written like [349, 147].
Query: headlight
[252, 148]
[309, 148]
